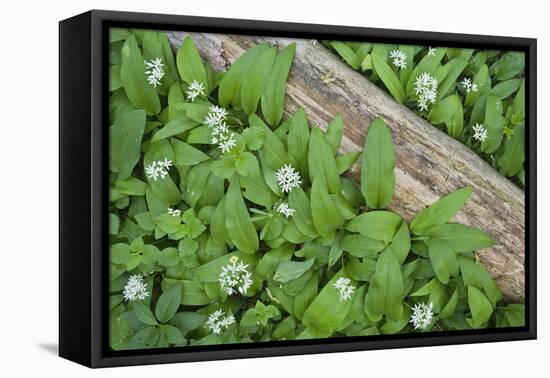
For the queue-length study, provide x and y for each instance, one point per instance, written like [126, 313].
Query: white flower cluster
[345, 290]
[195, 90]
[286, 210]
[215, 120]
[288, 178]
[422, 315]
[468, 86]
[217, 321]
[174, 212]
[135, 288]
[158, 169]
[235, 277]
[480, 132]
[154, 71]
[425, 87]
[431, 51]
[399, 59]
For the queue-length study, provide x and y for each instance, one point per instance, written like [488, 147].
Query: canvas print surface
[272, 189]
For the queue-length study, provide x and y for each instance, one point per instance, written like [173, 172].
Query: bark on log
[430, 164]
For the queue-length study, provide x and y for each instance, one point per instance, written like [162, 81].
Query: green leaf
[345, 162]
[362, 246]
[256, 79]
[274, 93]
[494, 123]
[168, 304]
[298, 140]
[298, 201]
[176, 126]
[247, 165]
[389, 78]
[377, 168]
[511, 64]
[457, 66]
[239, 225]
[480, 308]
[512, 157]
[304, 298]
[189, 63]
[132, 75]
[451, 305]
[325, 214]
[327, 312]
[386, 289]
[441, 211]
[290, 270]
[186, 154]
[449, 111]
[347, 53]
[461, 238]
[379, 225]
[273, 149]
[125, 138]
[443, 260]
[230, 86]
[210, 272]
[335, 132]
[254, 137]
[143, 313]
[256, 190]
[506, 88]
[322, 164]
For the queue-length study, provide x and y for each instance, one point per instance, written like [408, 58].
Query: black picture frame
[83, 195]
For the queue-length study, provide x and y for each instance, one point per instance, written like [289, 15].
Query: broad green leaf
[125, 138]
[174, 127]
[168, 304]
[247, 165]
[494, 123]
[336, 250]
[428, 64]
[505, 88]
[189, 63]
[256, 79]
[379, 225]
[457, 65]
[325, 214]
[441, 211]
[511, 64]
[132, 75]
[334, 133]
[347, 54]
[273, 149]
[322, 164]
[362, 246]
[426, 289]
[304, 298]
[299, 201]
[327, 312]
[377, 168]
[480, 308]
[512, 157]
[230, 86]
[186, 154]
[144, 314]
[386, 289]
[444, 261]
[401, 243]
[274, 92]
[271, 259]
[449, 111]
[256, 190]
[238, 223]
[298, 140]
[192, 292]
[451, 305]
[389, 78]
[461, 238]
[345, 162]
[290, 270]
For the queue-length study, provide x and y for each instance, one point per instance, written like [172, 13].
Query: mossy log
[430, 164]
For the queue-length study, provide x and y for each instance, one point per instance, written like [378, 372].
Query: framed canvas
[234, 188]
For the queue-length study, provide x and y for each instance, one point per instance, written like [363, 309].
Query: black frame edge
[75, 309]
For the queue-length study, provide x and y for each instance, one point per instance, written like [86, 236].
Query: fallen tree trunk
[430, 164]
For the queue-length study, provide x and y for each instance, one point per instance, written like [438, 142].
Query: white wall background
[29, 189]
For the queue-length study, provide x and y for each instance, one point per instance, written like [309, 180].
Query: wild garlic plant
[230, 223]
